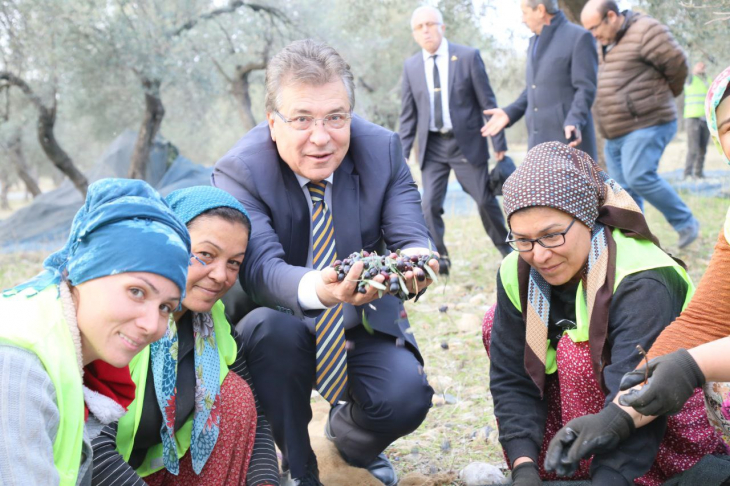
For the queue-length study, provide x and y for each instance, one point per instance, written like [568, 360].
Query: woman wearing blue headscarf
[67, 335]
[192, 422]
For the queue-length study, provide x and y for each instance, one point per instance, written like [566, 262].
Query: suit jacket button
[535, 109]
[533, 86]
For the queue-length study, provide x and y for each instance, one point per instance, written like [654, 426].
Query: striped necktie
[331, 353]
[438, 115]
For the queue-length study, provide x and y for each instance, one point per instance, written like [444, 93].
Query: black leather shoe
[381, 467]
[444, 265]
[383, 470]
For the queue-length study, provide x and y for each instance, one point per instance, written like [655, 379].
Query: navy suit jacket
[469, 95]
[375, 204]
[561, 85]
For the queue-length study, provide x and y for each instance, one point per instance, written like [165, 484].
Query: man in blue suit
[319, 184]
[445, 88]
[562, 66]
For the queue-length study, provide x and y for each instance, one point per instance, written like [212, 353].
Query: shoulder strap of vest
[509, 278]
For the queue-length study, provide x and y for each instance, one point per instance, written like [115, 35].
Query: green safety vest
[37, 324]
[694, 98]
[138, 368]
[632, 256]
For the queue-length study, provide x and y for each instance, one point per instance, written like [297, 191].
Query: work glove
[672, 380]
[584, 436]
[526, 474]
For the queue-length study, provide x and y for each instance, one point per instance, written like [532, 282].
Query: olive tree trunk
[153, 115]
[240, 89]
[46, 137]
[15, 151]
[572, 9]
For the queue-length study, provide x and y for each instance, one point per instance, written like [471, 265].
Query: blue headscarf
[191, 202]
[124, 226]
[187, 204]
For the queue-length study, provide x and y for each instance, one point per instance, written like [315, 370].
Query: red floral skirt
[231, 455]
[572, 392]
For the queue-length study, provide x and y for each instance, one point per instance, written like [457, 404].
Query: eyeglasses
[425, 25]
[553, 240]
[593, 29]
[305, 122]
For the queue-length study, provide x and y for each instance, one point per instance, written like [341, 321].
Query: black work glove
[672, 380]
[584, 436]
[526, 474]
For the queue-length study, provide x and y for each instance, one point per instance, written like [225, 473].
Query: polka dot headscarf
[557, 176]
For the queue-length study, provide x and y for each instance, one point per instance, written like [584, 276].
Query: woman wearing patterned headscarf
[67, 335]
[703, 328]
[586, 284]
[192, 421]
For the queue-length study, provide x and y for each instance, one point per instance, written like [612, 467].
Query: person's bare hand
[330, 291]
[573, 132]
[411, 277]
[500, 155]
[495, 124]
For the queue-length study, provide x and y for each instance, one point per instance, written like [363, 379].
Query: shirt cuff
[307, 292]
[416, 251]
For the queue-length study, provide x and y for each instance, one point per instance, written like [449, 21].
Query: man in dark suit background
[562, 65]
[320, 184]
[445, 89]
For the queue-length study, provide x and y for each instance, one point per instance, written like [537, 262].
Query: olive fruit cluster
[393, 266]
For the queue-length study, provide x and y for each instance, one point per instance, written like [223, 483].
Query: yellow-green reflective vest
[138, 368]
[694, 98]
[37, 324]
[632, 256]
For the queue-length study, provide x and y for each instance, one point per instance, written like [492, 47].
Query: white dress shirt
[307, 290]
[442, 61]
[307, 293]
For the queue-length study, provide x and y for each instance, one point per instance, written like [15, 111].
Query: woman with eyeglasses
[693, 352]
[586, 284]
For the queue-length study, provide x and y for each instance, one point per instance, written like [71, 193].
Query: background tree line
[74, 74]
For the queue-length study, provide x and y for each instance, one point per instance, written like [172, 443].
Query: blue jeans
[633, 159]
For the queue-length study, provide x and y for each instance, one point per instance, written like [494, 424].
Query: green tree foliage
[193, 70]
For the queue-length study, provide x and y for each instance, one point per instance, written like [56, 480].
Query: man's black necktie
[437, 110]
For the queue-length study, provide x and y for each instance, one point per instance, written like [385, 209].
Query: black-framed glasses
[552, 240]
[603, 19]
[305, 122]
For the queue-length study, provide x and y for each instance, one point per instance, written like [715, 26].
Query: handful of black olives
[393, 266]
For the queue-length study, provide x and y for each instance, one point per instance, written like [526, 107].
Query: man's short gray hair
[439, 16]
[306, 62]
[551, 6]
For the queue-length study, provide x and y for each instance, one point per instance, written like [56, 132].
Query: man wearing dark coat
[319, 184]
[562, 64]
[445, 89]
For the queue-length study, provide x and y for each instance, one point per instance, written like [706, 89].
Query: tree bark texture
[572, 9]
[240, 87]
[4, 189]
[46, 136]
[15, 149]
[153, 115]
